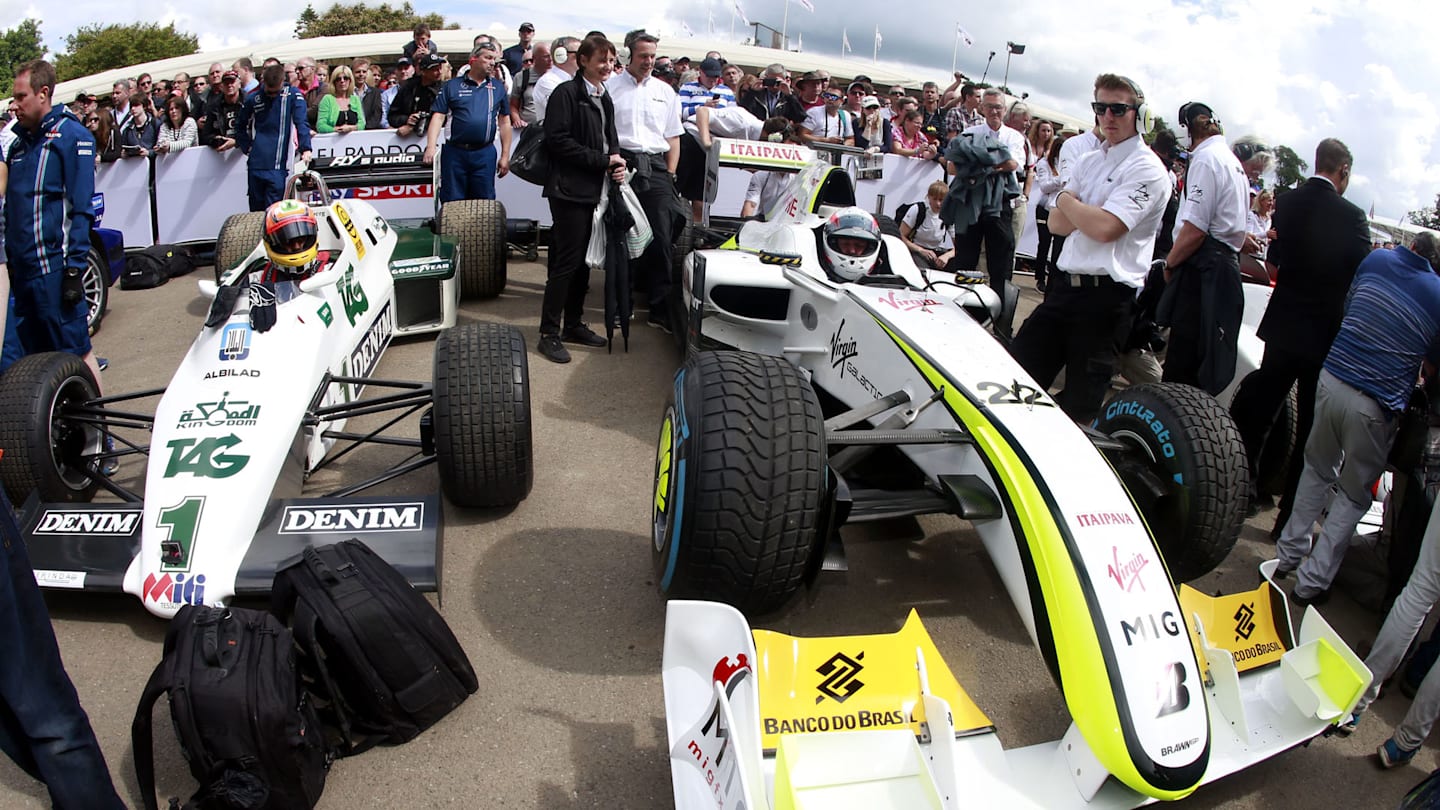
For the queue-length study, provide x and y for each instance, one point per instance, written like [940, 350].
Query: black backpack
[143, 271]
[252, 740]
[919, 218]
[383, 664]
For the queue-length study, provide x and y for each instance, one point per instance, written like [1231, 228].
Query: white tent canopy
[385, 49]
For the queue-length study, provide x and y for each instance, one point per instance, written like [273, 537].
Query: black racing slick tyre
[740, 476]
[1185, 468]
[96, 281]
[238, 236]
[482, 415]
[45, 451]
[478, 228]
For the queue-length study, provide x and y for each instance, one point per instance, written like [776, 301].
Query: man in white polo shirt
[647, 124]
[1203, 300]
[1110, 209]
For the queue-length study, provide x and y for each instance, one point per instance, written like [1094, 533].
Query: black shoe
[659, 321]
[1317, 600]
[582, 334]
[552, 349]
[1281, 572]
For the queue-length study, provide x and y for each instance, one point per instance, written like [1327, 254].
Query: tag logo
[204, 458]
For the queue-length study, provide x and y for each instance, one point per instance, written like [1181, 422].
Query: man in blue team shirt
[469, 165]
[1391, 325]
[47, 230]
[262, 131]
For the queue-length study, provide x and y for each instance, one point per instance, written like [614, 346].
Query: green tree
[1290, 168]
[96, 48]
[19, 44]
[341, 19]
[1427, 217]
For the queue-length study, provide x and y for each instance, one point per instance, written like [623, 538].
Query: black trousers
[1075, 328]
[999, 240]
[567, 276]
[1196, 353]
[1042, 244]
[653, 186]
[1258, 402]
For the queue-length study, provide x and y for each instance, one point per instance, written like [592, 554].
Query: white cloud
[1294, 71]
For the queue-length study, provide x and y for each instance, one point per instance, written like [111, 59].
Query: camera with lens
[422, 120]
[770, 82]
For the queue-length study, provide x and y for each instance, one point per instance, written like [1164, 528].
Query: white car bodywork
[1067, 540]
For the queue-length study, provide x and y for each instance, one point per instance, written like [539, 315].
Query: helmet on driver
[850, 240]
[291, 235]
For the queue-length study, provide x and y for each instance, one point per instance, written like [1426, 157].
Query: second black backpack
[383, 664]
[250, 737]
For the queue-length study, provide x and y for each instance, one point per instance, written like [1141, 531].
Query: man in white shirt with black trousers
[647, 124]
[1203, 300]
[1110, 209]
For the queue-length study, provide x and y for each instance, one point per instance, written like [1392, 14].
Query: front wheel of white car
[1185, 469]
[482, 415]
[46, 451]
[478, 228]
[740, 475]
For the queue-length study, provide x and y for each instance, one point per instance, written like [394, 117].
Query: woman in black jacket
[584, 151]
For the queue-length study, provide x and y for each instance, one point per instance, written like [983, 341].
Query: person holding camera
[410, 112]
[142, 129]
[49, 215]
[773, 97]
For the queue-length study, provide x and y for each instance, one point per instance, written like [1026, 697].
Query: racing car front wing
[90, 546]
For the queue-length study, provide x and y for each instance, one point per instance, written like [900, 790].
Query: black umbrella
[617, 221]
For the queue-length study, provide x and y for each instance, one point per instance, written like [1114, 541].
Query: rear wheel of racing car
[482, 415]
[238, 236]
[739, 482]
[478, 228]
[44, 451]
[1185, 469]
[97, 287]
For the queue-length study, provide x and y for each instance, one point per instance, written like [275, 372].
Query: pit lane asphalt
[556, 605]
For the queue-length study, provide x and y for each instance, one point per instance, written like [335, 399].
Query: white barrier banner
[126, 186]
[195, 190]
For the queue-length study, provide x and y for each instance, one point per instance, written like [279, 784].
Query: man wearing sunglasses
[1203, 300]
[480, 109]
[1110, 208]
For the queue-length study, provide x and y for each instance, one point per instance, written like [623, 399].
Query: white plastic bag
[595, 252]
[639, 236]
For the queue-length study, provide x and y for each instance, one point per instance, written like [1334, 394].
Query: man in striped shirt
[1390, 331]
[706, 90]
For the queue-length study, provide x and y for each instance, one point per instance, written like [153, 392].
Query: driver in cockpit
[849, 244]
[291, 237]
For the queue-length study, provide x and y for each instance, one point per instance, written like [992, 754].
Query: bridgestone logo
[399, 517]
[116, 524]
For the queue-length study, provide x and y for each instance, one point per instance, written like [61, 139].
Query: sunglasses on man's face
[1117, 109]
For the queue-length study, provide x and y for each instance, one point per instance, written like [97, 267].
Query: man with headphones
[1203, 301]
[1110, 208]
[562, 69]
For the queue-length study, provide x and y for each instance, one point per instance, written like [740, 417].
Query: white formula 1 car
[248, 416]
[805, 404]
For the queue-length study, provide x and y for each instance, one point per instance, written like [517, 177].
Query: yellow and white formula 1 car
[806, 403]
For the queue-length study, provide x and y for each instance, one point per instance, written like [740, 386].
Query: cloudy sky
[1293, 71]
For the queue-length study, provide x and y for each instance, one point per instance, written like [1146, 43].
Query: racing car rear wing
[359, 170]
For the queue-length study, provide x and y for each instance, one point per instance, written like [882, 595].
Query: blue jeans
[265, 187]
[42, 727]
[467, 175]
